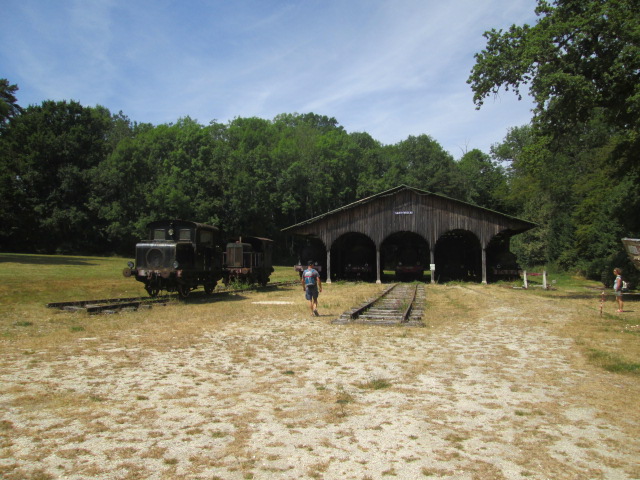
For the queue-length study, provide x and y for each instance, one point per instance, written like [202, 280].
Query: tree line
[78, 179]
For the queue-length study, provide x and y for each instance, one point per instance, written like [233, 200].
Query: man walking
[311, 285]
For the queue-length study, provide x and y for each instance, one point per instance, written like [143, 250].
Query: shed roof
[522, 225]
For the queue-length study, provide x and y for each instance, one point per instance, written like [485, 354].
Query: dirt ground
[494, 392]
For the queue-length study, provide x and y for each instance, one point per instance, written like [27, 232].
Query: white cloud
[392, 69]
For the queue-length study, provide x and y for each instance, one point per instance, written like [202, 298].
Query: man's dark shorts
[311, 292]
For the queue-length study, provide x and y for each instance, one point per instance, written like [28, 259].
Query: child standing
[617, 288]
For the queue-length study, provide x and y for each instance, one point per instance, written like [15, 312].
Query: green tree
[8, 102]
[167, 171]
[249, 178]
[484, 181]
[317, 164]
[421, 162]
[580, 63]
[49, 152]
[581, 55]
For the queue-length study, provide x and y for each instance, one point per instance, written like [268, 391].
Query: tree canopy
[79, 179]
[8, 102]
[575, 169]
[581, 57]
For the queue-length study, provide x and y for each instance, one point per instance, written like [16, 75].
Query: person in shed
[311, 285]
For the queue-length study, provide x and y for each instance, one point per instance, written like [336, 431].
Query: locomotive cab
[409, 266]
[239, 255]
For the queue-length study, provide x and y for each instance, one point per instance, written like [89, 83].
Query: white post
[544, 279]
[525, 280]
[432, 266]
[484, 266]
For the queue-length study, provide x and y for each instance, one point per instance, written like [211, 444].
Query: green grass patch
[23, 323]
[612, 362]
[41, 279]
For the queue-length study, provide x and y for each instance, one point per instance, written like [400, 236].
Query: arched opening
[501, 263]
[406, 254]
[458, 256]
[353, 257]
[311, 249]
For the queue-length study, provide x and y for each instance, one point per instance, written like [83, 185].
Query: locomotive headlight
[176, 265]
[130, 264]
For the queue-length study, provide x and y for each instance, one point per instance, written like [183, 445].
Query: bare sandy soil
[282, 395]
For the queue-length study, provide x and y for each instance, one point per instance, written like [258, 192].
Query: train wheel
[208, 289]
[152, 291]
[183, 291]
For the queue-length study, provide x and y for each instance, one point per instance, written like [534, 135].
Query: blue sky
[391, 68]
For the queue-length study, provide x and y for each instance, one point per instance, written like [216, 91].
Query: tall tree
[580, 62]
[423, 163]
[582, 55]
[484, 181]
[50, 151]
[8, 102]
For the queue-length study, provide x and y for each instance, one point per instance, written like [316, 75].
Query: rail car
[248, 260]
[360, 263]
[310, 253]
[178, 255]
[410, 266]
[502, 266]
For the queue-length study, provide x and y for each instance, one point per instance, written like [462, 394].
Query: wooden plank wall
[427, 215]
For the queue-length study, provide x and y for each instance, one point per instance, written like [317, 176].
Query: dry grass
[501, 383]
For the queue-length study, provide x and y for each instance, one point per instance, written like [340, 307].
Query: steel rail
[108, 304]
[396, 305]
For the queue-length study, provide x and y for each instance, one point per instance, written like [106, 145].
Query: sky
[391, 68]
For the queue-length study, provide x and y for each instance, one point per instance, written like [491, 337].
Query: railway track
[113, 305]
[400, 304]
[110, 305]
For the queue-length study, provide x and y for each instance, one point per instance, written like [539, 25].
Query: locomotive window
[158, 234]
[185, 235]
[206, 236]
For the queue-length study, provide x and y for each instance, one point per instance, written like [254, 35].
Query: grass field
[501, 383]
[28, 282]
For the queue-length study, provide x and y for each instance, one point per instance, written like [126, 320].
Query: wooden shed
[411, 231]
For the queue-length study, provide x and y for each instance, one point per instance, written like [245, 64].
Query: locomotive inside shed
[407, 255]
[353, 257]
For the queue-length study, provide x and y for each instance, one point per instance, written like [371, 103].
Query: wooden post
[432, 265]
[544, 279]
[526, 285]
[378, 265]
[484, 266]
[328, 266]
